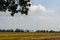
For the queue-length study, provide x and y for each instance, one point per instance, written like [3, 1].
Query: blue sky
[43, 15]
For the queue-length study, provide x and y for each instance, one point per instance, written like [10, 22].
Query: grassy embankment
[15, 35]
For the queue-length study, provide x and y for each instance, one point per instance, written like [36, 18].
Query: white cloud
[44, 17]
[37, 8]
[51, 11]
[32, 22]
[41, 8]
[36, 21]
[34, 8]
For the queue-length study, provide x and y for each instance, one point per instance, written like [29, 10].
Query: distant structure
[11, 5]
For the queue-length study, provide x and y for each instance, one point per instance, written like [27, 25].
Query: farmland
[18, 35]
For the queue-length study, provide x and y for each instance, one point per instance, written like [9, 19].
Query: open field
[21, 36]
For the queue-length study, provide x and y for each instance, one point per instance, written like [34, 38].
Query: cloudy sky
[43, 15]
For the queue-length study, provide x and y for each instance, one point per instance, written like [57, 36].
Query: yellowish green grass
[15, 35]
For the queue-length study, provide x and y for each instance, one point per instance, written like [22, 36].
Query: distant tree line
[11, 30]
[46, 31]
[21, 30]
